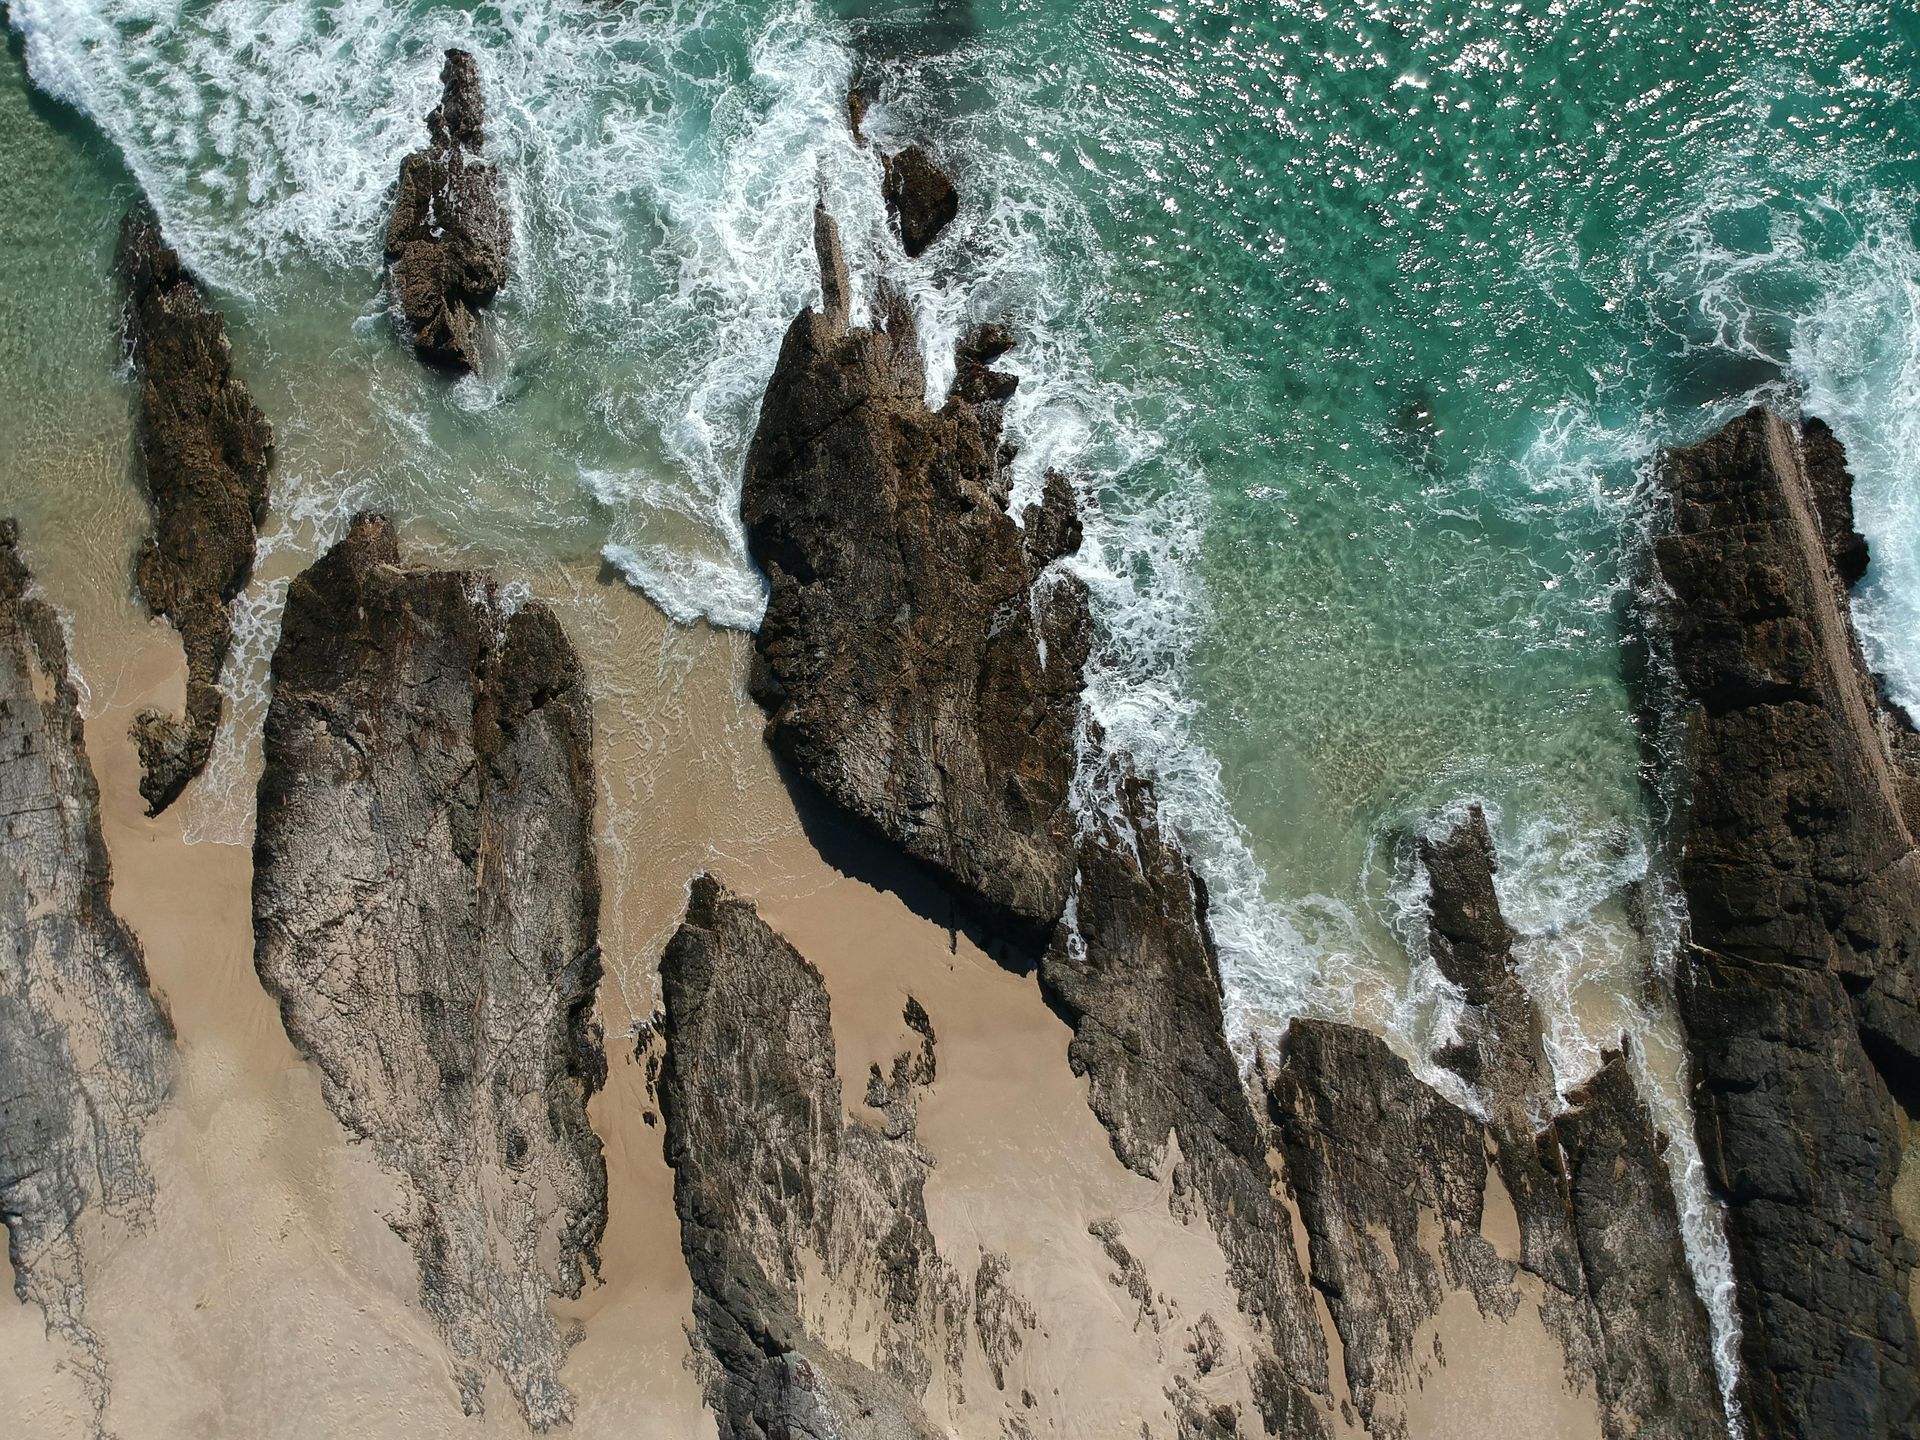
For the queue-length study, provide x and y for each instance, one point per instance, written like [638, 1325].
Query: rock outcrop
[204, 450]
[1136, 975]
[450, 234]
[426, 906]
[778, 1191]
[918, 662]
[86, 1054]
[1390, 1179]
[920, 197]
[1803, 891]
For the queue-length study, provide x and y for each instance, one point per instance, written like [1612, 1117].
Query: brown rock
[204, 450]
[920, 196]
[450, 234]
[914, 664]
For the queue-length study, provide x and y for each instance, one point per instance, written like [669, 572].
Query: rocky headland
[204, 450]
[1796, 804]
[450, 234]
[86, 1052]
[426, 912]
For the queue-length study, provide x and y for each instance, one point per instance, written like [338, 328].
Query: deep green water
[1357, 325]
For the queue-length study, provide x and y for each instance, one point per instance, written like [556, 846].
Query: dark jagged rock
[449, 237]
[86, 1054]
[1803, 892]
[920, 196]
[768, 1168]
[1137, 976]
[1655, 1373]
[1371, 1152]
[426, 910]
[1374, 1154]
[204, 451]
[914, 663]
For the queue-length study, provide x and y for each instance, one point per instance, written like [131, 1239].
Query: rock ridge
[426, 910]
[86, 1052]
[204, 451]
[1796, 854]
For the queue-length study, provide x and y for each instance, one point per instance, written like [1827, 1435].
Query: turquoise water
[1357, 325]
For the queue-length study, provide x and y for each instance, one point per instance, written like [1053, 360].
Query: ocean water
[1356, 325]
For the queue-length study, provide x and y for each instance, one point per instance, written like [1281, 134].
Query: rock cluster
[1797, 807]
[426, 911]
[1372, 1151]
[450, 234]
[86, 1054]
[918, 662]
[204, 450]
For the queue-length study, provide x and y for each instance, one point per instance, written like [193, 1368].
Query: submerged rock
[918, 661]
[770, 1173]
[426, 909]
[1803, 891]
[86, 1054]
[450, 234]
[204, 449]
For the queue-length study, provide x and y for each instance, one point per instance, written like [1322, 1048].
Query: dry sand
[268, 1298]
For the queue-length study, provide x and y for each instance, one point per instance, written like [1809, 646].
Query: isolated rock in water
[1137, 976]
[1803, 892]
[204, 449]
[920, 196]
[915, 663]
[86, 1055]
[448, 240]
[769, 1173]
[425, 911]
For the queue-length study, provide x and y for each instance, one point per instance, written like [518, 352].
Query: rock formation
[1376, 1159]
[449, 237]
[204, 449]
[920, 197]
[86, 1054]
[426, 908]
[915, 662]
[1803, 890]
[1137, 977]
[775, 1186]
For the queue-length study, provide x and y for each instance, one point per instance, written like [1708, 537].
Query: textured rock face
[86, 1055]
[774, 1184]
[1804, 897]
[914, 663]
[425, 911]
[1137, 976]
[204, 451]
[449, 237]
[1389, 1177]
[920, 196]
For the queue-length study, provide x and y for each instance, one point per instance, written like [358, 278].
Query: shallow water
[1357, 326]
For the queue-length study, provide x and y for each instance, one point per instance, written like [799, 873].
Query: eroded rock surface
[1803, 891]
[915, 662]
[449, 237]
[426, 906]
[204, 450]
[1137, 976]
[778, 1191]
[86, 1054]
